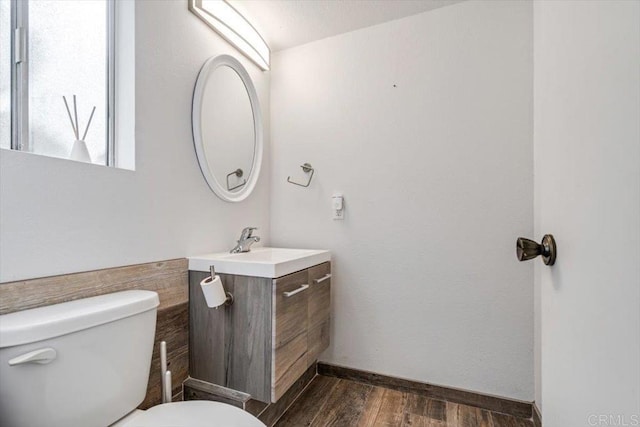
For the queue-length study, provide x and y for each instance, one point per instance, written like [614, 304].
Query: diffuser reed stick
[89, 122]
[73, 126]
[75, 112]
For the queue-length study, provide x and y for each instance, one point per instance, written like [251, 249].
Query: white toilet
[86, 363]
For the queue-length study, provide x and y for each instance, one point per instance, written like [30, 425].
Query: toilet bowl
[192, 413]
[85, 363]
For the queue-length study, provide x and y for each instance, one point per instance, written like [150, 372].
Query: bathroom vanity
[276, 326]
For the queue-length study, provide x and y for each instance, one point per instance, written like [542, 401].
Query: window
[50, 49]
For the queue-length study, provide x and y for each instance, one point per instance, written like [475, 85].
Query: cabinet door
[317, 341]
[290, 311]
[319, 309]
[290, 301]
[319, 293]
[231, 345]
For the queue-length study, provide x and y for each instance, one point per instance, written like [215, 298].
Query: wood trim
[195, 389]
[537, 416]
[516, 408]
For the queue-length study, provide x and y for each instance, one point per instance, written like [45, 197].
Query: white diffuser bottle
[80, 152]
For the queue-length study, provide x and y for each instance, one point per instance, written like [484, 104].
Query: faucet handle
[247, 232]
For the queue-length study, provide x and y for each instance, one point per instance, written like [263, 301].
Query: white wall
[425, 124]
[58, 216]
[587, 193]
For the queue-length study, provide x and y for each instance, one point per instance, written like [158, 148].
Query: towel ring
[238, 172]
[306, 168]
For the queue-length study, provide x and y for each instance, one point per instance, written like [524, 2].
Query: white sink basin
[261, 262]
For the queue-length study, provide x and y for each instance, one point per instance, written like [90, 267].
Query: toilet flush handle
[41, 356]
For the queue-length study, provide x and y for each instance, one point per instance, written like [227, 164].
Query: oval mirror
[227, 128]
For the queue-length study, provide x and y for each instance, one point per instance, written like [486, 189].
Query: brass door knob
[527, 249]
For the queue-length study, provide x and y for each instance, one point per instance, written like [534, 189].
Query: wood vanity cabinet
[262, 343]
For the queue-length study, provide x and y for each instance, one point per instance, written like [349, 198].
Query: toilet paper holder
[213, 291]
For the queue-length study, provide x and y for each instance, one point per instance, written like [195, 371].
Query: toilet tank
[82, 363]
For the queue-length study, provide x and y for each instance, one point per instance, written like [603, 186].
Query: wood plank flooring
[330, 401]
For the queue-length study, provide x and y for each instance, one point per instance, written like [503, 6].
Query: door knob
[527, 249]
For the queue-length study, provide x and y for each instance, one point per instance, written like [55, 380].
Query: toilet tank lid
[37, 324]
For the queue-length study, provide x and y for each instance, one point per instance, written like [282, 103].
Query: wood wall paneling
[168, 278]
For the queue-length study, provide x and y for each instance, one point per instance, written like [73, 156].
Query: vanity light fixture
[234, 28]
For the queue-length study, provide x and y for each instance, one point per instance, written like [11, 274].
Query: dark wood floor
[330, 401]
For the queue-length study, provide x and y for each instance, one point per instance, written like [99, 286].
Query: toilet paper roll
[213, 291]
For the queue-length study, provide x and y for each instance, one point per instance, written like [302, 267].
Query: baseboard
[537, 417]
[516, 408]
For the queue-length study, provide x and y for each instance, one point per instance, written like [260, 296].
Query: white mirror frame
[219, 188]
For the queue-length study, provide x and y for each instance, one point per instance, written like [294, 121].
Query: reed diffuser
[79, 151]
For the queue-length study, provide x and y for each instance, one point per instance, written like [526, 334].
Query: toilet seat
[194, 413]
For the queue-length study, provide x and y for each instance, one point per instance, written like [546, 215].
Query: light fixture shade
[234, 28]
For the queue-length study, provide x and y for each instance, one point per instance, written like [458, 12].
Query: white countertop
[260, 262]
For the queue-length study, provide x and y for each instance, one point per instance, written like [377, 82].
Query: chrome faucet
[246, 240]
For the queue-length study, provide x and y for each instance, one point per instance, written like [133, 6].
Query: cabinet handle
[297, 291]
[323, 278]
